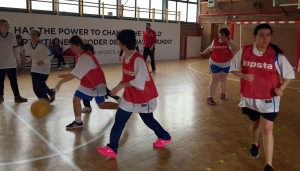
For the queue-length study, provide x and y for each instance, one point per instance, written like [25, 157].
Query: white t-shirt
[141, 76]
[39, 52]
[284, 69]
[84, 65]
[9, 51]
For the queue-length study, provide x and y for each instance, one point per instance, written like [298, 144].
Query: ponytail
[276, 48]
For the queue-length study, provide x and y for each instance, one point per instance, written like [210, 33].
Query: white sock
[78, 119]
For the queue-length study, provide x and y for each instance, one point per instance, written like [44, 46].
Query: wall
[97, 31]
[187, 30]
[245, 10]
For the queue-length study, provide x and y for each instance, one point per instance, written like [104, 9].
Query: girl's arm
[67, 78]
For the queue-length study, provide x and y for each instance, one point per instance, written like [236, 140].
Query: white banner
[99, 32]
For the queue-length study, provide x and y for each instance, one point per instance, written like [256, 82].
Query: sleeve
[284, 68]
[236, 62]
[83, 66]
[16, 48]
[141, 74]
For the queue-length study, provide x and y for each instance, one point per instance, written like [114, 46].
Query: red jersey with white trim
[132, 94]
[221, 52]
[95, 76]
[266, 78]
[149, 38]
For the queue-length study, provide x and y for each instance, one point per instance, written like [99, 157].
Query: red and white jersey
[94, 76]
[132, 94]
[266, 78]
[221, 52]
[282, 67]
[91, 75]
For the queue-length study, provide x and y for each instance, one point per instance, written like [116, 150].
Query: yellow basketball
[40, 108]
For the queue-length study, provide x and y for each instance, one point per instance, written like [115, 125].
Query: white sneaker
[66, 66]
[86, 110]
[59, 69]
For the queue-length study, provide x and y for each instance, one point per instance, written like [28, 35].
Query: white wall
[100, 32]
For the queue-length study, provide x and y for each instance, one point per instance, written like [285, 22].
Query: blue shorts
[217, 69]
[98, 99]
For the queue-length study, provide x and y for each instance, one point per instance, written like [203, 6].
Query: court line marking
[53, 147]
[232, 79]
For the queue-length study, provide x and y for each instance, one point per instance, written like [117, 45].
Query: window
[91, 7]
[192, 13]
[129, 8]
[13, 4]
[144, 5]
[45, 5]
[172, 9]
[157, 4]
[110, 7]
[187, 9]
[182, 8]
[71, 6]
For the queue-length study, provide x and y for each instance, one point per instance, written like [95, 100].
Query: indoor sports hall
[205, 136]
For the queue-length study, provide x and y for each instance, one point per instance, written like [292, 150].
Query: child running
[139, 96]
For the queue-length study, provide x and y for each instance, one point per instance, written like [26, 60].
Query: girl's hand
[115, 90]
[278, 91]
[248, 77]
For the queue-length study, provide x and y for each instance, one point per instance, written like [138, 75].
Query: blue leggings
[122, 117]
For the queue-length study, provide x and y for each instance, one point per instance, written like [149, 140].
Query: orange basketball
[40, 108]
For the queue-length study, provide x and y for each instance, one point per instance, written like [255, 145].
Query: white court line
[232, 79]
[54, 148]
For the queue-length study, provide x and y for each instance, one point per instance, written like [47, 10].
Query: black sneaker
[52, 97]
[254, 151]
[74, 125]
[19, 99]
[1, 99]
[268, 168]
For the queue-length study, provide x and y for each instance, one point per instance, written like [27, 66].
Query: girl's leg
[223, 82]
[215, 77]
[121, 118]
[150, 121]
[77, 107]
[254, 129]
[268, 139]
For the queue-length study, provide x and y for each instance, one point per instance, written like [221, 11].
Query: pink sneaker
[211, 101]
[107, 152]
[160, 142]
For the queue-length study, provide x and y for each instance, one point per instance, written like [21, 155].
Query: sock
[78, 119]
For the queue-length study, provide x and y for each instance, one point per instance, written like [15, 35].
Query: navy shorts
[217, 69]
[254, 115]
[98, 99]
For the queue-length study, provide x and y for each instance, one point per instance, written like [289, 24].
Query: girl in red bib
[139, 96]
[221, 50]
[260, 67]
[92, 81]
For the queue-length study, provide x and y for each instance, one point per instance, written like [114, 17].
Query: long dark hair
[267, 26]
